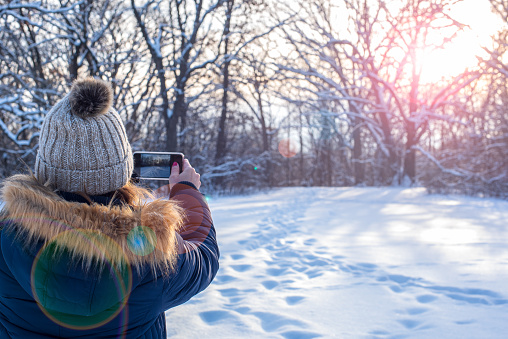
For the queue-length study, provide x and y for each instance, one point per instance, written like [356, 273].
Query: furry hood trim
[94, 234]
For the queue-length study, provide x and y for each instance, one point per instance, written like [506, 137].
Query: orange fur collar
[93, 233]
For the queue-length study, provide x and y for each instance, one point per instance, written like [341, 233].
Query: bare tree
[221, 136]
[471, 155]
[245, 25]
[178, 41]
[29, 82]
[372, 73]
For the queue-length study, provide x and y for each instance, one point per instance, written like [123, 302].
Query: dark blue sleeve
[198, 261]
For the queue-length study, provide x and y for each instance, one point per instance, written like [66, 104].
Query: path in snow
[354, 263]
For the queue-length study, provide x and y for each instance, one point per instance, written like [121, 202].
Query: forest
[262, 93]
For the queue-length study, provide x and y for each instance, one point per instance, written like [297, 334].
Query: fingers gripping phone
[155, 165]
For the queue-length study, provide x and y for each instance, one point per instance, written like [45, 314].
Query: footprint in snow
[287, 253]
[409, 323]
[465, 322]
[358, 269]
[470, 295]
[416, 310]
[270, 284]
[271, 322]
[300, 335]
[426, 298]
[241, 268]
[232, 292]
[224, 279]
[293, 300]
[310, 242]
[242, 310]
[229, 292]
[237, 256]
[275, 272]
[212, 317]
[314, 274]
[396, 289]
[399, 279]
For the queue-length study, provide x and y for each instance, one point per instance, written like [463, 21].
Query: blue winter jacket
[71, 268]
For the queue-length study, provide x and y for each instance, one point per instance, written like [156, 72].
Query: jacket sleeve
[198, 260]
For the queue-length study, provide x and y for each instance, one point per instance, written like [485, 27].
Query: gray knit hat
[83, 146]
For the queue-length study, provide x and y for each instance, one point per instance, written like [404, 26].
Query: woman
[85, 253]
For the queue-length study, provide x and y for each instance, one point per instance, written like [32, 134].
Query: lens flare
[141, 240]
[113, 284]
[287, 148]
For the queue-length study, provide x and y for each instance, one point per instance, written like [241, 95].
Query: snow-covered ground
[354, 263]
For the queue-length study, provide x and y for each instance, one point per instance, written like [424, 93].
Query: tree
[29, 82]
[371, 74]
[180, 41]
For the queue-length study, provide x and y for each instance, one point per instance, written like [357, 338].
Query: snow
[353, 263]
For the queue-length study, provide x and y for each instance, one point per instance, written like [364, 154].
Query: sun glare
[462, 51]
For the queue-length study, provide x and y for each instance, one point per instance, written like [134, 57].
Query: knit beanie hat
[83, 146]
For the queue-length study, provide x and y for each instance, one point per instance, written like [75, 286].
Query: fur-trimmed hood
[93, 233]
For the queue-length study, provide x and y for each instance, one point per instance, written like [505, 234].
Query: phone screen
[155, 165]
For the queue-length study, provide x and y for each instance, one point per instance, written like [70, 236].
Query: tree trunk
[170, 125]
[221, 137]
[179, 114]
[357, 152]
[388, 164]
[264, 132]
[73, 63]
[170, 121]
[410, 156]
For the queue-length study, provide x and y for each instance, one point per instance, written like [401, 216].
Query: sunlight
[461, 53]
[449, 232]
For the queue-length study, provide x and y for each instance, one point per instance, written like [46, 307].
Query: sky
[462, 52]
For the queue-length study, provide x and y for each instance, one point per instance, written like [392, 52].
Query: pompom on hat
[83, 146]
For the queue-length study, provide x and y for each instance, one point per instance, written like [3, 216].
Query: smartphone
[155, 165]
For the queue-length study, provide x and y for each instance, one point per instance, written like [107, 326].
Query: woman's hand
[188, 174]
